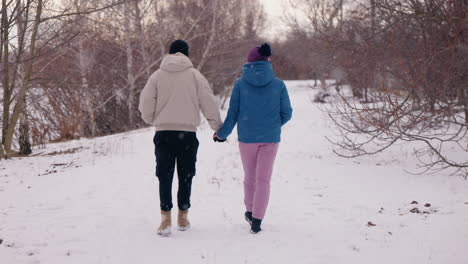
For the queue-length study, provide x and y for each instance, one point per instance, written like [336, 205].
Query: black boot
[256, 223]
[248, 217]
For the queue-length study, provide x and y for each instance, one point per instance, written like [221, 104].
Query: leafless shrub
[406, 61]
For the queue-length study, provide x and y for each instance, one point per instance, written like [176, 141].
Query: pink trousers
[257, 160]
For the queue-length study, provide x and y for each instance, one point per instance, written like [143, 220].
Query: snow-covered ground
[96, 201]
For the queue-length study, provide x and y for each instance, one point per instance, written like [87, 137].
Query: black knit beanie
[179, 46]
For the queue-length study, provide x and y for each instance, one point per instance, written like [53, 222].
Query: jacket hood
[176, 62]
[259, 73]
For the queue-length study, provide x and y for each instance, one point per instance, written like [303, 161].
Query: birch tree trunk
[86, 95]
[138, 23]
[5, 28]
[130, 74]
[24, 136]
[209, 44]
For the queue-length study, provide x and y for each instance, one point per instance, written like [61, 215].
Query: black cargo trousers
[171, 148]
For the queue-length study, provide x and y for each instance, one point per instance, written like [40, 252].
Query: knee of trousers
[164, 173]
[186, 180]
[249, 183]
[261, 182]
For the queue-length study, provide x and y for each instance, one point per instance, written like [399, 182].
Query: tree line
[406, 63]
[74, 68]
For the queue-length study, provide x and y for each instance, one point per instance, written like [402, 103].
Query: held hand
[217, 139]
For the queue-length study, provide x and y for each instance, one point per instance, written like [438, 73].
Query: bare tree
[21, 53]
[10, 119]
[404, 60]
[411, 55]
[81, 71]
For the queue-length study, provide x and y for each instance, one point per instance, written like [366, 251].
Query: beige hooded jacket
[174, 95]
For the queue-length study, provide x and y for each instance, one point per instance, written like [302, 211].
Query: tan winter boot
[165, 227]
[182, 220]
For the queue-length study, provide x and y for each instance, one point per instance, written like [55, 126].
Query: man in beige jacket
[171, 101]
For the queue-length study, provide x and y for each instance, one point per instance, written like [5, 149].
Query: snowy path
[101, 206]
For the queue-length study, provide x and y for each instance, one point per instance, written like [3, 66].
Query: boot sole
[183, 228]
[164, 232]
[253, 232]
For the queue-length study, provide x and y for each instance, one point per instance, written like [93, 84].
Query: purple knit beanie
[261, 53]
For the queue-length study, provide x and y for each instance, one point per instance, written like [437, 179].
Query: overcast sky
[273, 7]
[274, 10]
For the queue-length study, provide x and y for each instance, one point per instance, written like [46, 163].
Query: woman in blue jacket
[259, 106]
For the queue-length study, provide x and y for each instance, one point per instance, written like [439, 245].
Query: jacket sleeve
[285, 106]
[233, 113]
[148, 95]
[208, 104]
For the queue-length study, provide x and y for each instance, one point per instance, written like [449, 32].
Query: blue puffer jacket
[259, 106]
